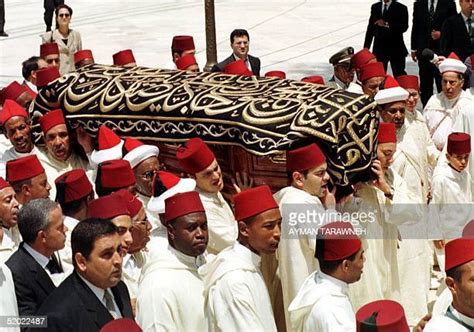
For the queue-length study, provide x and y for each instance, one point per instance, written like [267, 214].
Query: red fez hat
[109, 146]
[252, 202]
[11, 91]
[409, 82]
[83, 55]
[304, 158]
[237, 68]
[48, 49]
[315, 79]
[108, 207]
[166, 184]
[121, 325]
[182, 43]
[72, 186]
[459, 143]
[337, 241]
[123, 58]
[382, 316]
[11, 109]
[3, 183]
[374, 69]
[194, 156]
[46, 76]
[387, 133]
[468, 230]
[134, 205]
[185, 61]
[276, 73]
[115, 174]
[23, 168]
[136, 151]
[182, 204]
[362, 58]
[458, 252]
[51, 119]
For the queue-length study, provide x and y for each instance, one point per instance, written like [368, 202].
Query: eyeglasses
[148, 175]
[64, 15]
[51, 61]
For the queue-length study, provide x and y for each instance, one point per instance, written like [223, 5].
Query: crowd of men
[97, 235]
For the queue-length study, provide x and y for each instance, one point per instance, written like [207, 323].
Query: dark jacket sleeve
[400, 24]
[414, 28]
[446, 37]
[369, 34]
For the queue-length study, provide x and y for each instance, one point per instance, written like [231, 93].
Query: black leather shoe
[3, 34]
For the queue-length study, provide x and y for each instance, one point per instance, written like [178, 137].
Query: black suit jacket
[32, 283]
[454, 38]
[254, 63]
[421, 29]
[387, 41]
[74, 307]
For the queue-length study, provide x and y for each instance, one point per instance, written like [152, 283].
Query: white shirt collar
[190, 261]
[343, 286]
[465, 17]
[7, 241]
[31, 86]
[99, 292]
[388, 4]
[465, 319]
[248, 255]
[38, 257]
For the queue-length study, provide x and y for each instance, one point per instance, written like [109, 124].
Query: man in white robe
[199, 162]
[308, 190]
[442, 109]
[10, 236]
[8, 303]
[170, 292]
[465, 123]
[414, 157]
[459, 267]
[235, 292]
[58, 157]
[180, 46]
[74, 192]
[322, 303]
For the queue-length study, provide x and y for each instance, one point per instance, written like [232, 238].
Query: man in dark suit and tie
[387, 23]
[93, 294]
[239, 41]
[41, 225]
[428, 18]
[457, 33]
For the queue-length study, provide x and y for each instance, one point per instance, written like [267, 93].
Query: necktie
[384, 13]
[109, 304]
[470, 29]
[53, 265]
[432, 10]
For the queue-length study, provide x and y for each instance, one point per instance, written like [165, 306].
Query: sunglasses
[64, 15]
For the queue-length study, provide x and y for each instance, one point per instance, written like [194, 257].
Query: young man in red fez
[124, 59]
[415, 157]
[73, 193]
[199, 162]
[459, 267]
[114, 208]
[322, 303]
[50, 53]
[114, 175]
[359, 59]
[451, 187]
[371, 77]
[16, 92]
[188, 63]
[28, 179]
[308, 177]
[240, 42]
[380, 206]
[236, 296]
[16, 127]
[180, 46]
[9, 233]
[28, 71]
[136, 257]
[382, 315]
[170, 294]
[58, 156]
[83, 58]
